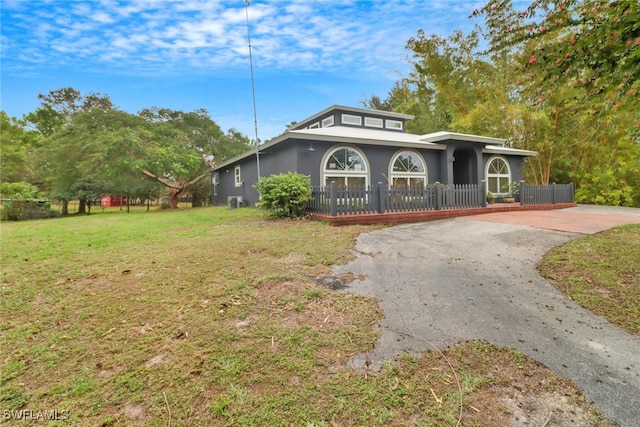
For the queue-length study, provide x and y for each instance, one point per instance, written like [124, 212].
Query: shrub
[19, 190]
[285, 195]
[21, 201]
[606, 187]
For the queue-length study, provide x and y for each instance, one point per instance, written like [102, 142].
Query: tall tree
[68, 101]
[17, 145]
[190, 137]
[454, 86]
[96, 151]
[591, 43]
[56, 111]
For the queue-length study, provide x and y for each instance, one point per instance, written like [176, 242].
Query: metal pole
[253, 91]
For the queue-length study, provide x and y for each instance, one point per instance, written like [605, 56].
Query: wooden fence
[546, 194]
[334, 201]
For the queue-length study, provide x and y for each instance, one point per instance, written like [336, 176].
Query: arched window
[407, 170]
[498, 175]
[346, 166]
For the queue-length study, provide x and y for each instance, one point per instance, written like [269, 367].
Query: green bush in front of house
[285, 195]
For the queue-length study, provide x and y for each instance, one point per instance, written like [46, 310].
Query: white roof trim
[363, 136]
[508, 150]
[441, 136]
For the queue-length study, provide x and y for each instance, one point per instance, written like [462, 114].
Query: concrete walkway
[443, 282]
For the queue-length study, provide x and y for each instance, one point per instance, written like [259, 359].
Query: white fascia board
[443, 136]
[347, 135]
[507, 150]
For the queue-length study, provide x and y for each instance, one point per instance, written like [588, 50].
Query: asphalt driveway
[475, 278]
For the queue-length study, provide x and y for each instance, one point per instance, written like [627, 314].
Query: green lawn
[211, 317]
[601, 272]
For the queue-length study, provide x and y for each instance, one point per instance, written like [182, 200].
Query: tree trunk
[196, 200]
[175, 188]
[174, 197]
[65, 208]
[82, 206]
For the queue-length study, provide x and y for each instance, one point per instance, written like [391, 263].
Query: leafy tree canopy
[585, 129]
[592, 43]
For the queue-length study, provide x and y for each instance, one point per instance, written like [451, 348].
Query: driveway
[475, 278]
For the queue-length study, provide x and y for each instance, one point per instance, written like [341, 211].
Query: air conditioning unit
[234, 201]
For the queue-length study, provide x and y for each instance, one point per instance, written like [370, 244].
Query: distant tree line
[75, 147]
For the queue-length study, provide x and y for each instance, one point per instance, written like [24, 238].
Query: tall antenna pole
[253, 91]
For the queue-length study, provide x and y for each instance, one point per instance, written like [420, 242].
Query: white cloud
[286, 34]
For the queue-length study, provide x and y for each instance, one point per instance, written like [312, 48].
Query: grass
[212, 317]
[601, 272]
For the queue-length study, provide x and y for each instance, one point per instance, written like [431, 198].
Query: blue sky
[189, 54]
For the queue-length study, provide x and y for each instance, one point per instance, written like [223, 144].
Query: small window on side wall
[393, 124]
[237, 176]
[215, 181]
[328, 121]
[349, 119]
[373, 122]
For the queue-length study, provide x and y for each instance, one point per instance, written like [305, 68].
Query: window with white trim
[347, 167]
[315, 125]
[215, 181]
[328, 121]
[407, 170]
[373, 122]
[498, 174]
[393, 124]
[349, 119]
[237, 174]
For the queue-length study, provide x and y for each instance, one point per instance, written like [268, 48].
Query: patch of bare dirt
[136, 414]
[289, 302]
[523, 393]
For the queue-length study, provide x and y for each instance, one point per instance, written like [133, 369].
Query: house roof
[362, 136]
[315, 117]
[493, 149]
[370, 136]
[346, 135]
[443, 136]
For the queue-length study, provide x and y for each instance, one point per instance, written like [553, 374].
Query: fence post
[333, 199]
[520, 190]
[438, 196]
[553, 192]
[380, 197]
[483, 193]
[573, 193]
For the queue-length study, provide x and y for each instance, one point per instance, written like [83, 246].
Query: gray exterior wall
[449, 161]
[461, 163]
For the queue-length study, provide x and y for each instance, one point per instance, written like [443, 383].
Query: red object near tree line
[109, 200]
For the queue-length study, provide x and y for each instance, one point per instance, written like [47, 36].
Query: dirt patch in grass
[520, 392]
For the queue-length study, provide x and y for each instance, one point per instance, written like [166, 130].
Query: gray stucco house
[361, 147]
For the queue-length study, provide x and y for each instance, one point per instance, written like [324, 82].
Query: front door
[465, 170]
